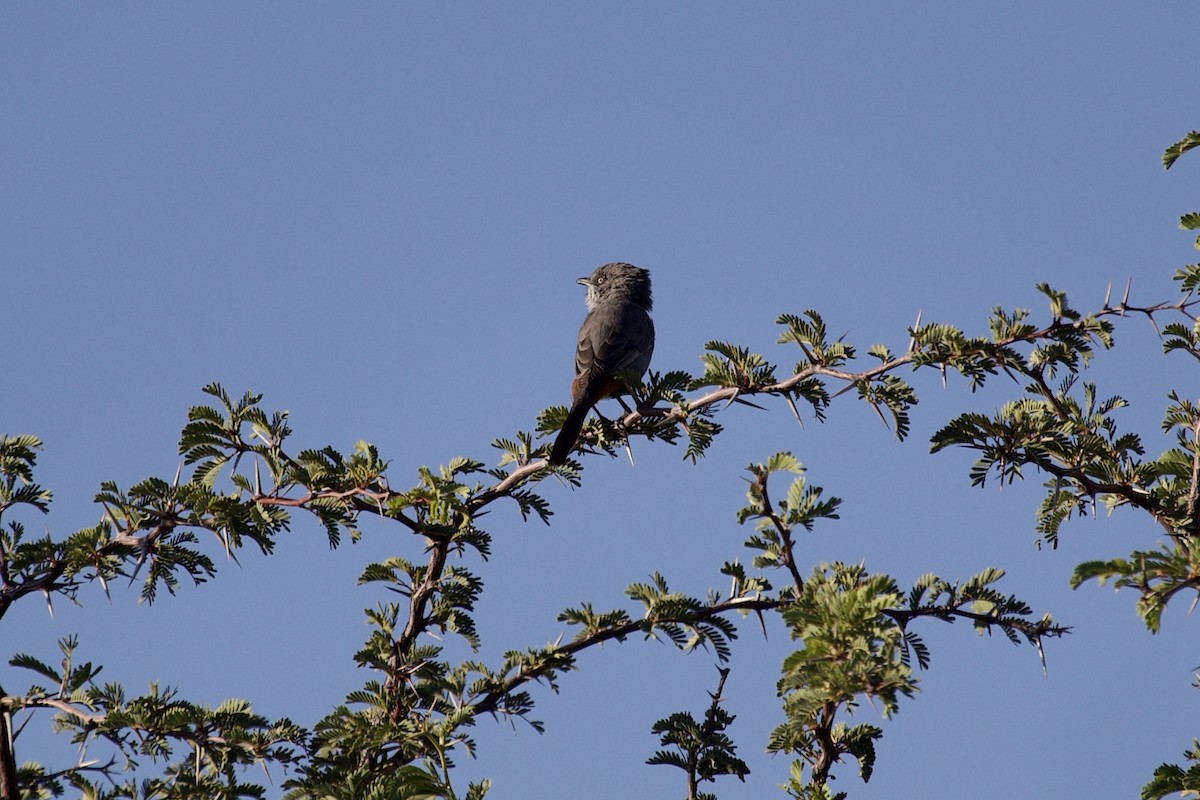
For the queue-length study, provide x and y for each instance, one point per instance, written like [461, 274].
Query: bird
[616, 341]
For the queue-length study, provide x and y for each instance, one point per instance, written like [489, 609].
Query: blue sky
[375, 214]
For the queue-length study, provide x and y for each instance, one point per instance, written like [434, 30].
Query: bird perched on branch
[616, 341]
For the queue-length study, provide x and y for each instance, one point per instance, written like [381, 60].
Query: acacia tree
[857, 633]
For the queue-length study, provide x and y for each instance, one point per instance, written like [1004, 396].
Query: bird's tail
[569, 433]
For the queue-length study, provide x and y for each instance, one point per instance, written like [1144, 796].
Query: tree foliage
[856, 633]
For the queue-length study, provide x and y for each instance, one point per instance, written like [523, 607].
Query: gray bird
[616, 341]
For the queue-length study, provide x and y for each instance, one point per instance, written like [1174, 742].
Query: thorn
[178, 469]
[138, 566]
[49, 604]
[733, 399]
[748, 403]
[228, 551]
[882, 418]
[1125, 299]
[912, 340]
[257, 480]
[795, 411]
[629, 452]
[1107, 294]
[1154, 322]
[942, 369]
[845, 389]
[1037, 642]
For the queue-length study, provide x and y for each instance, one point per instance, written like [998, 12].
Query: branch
[1032, 630]
[422, 595]
[785, 533]
[9, 789]
[491, 702]
[1194, 489]
[828, 751]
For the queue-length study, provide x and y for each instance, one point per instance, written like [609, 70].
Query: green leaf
[1179, 148]
[25, 661]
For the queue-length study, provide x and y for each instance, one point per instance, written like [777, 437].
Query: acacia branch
[492, 701]
[827, 753]
[784, 387]
[785, 533]
[360, 499]
[9, 789]
[363, 499]
[13, 704]
[196, 738]
[418, 622]
[49, 577]
[1194, 489]
[1032, 630]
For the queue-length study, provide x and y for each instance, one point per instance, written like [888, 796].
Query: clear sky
[375, 214]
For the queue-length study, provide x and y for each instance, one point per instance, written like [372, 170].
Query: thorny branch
[373, 500]
[376, 500]
[49, 578]
[785, 533]
[418, 621]
[493, 701]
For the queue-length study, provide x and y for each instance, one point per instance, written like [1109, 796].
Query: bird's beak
[584, 282]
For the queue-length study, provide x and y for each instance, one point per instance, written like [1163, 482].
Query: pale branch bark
[514, 480]
[13, 704]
